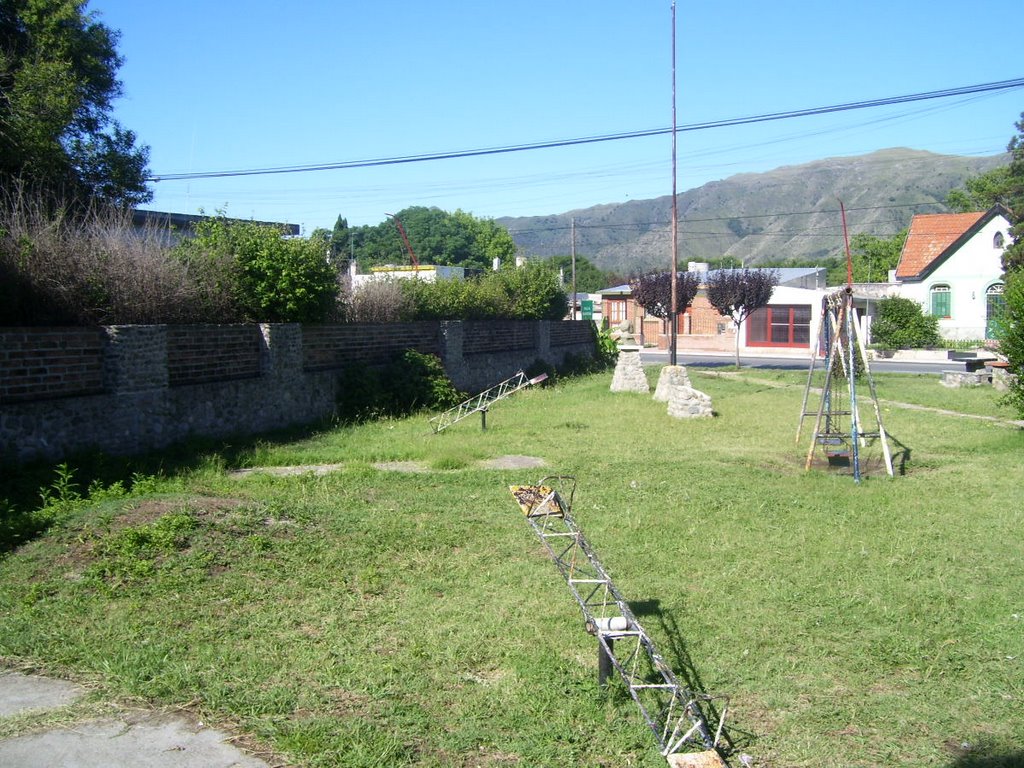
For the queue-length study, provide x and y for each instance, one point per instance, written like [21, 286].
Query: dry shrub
[380, 301]
[94, 268]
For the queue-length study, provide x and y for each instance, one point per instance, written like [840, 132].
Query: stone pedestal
[671, 376]
[629, 372]
[688, 403]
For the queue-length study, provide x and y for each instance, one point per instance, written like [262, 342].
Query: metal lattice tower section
[482, 402]
[674, 713]
[838, 427]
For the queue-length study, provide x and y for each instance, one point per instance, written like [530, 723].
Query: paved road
[788, 363]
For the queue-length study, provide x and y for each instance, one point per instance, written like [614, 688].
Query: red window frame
[776, 326]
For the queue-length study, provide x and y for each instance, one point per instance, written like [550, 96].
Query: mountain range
[792, 212]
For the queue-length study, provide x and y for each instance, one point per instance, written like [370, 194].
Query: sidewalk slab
[156, 742]
[19, 693]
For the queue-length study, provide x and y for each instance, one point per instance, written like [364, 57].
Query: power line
[631, 224]
[1000, 85]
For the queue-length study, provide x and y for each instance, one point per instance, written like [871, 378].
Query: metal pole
[573, 220]
[674, 311]
[604, 661]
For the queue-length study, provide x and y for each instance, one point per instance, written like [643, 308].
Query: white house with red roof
[951, 264]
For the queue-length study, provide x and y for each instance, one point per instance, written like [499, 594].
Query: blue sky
[232, 85]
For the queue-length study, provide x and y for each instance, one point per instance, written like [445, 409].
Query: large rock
[629, 372]
[688, 403]
[671, 376]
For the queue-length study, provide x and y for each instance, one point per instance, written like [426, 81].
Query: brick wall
[197, 354]
[128, 389]
[325, 347]
[46, 363]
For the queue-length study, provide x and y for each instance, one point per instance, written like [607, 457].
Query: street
[721, 360]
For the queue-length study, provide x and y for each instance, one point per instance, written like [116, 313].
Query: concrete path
[130, 739]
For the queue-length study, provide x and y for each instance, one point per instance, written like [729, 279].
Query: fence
[128, 389]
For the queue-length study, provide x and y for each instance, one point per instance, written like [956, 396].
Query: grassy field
[372, 617]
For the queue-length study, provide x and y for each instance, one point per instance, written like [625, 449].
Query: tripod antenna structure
[838, 425]
[673, 712]
[482, 402]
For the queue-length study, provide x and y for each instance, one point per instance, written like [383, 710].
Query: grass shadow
[24, 489]
[989, 757]
[686, 671]
[900, 457]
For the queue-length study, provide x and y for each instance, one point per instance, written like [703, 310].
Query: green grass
[373, 618]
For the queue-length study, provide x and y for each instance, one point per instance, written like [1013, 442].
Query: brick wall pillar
[281, 351]
[544, 340]
[135, 358]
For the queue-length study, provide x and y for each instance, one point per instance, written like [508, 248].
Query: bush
[529, 292]
[900, 324]
[412, 381]
[1011, 341]
[380, 301]
[272, 279]
[91, 269]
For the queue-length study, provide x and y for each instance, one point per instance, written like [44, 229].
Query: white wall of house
[968, 273]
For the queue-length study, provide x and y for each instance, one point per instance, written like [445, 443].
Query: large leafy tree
[58, 81]
[1005, 186]
[740, 292]
[437, 237]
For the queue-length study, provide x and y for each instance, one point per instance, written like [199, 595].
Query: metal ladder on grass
[482, 402]
[673, 712]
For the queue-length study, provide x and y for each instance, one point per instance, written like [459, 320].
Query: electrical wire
[1000, 85]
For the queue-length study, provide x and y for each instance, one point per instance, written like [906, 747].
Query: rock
[629, 373]
[689, 403]
[671, 376]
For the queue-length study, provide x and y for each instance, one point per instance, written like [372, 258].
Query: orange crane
[405, 239]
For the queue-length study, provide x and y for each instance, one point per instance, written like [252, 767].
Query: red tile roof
[929, 237]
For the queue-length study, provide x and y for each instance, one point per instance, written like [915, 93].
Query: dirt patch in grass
[513, 462]
[499, 462]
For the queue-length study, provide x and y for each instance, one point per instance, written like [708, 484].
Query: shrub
[91, 269]
[529, 292]
[272, 279]
[1011, 341]
[900, 324]
[412, 381]
[380, 301]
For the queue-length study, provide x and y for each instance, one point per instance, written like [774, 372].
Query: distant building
[788, 324]
[429, 273]
[175, 227]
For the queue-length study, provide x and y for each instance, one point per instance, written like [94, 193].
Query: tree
[58, 81]
[589, 279]
[737, 293]
[1011, 341]
[653, 292]
[1005, 186]
[437, 237]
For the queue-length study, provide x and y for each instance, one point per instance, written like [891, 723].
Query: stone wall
[128, 389]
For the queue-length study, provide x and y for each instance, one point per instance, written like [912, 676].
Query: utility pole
[674, 310]
[573, 251]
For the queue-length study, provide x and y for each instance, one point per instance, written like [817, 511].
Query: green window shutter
[941, 304]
